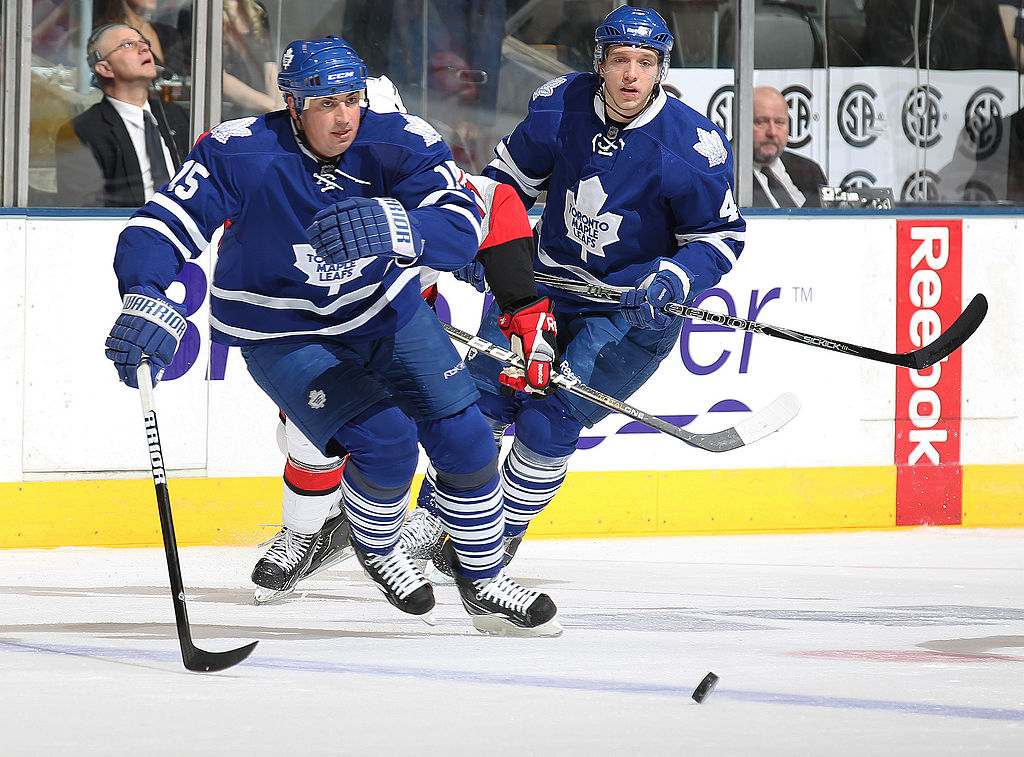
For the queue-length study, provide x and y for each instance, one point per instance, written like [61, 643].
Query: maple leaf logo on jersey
[585, 223]
[421, 128]
[237, 128]
[711, 147]
[320, 273]
[548, 88]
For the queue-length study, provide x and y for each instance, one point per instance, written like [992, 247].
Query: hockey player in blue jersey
[312, 480]
[331, 210]
[639, 198]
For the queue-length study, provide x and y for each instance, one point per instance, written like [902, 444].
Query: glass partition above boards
[918, 102]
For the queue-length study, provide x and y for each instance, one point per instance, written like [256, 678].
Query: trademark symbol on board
[803, 294]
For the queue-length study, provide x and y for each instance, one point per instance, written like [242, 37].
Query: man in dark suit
[781, 179]
[128, 145]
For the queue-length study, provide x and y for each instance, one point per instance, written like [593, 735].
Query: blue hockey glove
[362, 227]
[473, 274]
[642, 306]
[149, 326]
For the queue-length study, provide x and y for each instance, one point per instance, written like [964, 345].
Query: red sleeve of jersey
[508, 218]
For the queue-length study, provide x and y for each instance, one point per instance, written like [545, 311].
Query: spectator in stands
[455, 92]
[128, 145]
[781, 179]
[167, 45]
[1011, 13]
[249, 86]
[53, 30]
[948, 34]
[250, 64]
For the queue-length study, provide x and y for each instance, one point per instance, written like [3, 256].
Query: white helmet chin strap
[623, 116]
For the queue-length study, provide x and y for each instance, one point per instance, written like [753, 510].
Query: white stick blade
[770, 419]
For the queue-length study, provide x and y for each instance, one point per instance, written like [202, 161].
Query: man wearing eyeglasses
[781, 179]
[129, 144]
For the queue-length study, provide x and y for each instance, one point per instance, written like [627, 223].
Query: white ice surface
[886, 643]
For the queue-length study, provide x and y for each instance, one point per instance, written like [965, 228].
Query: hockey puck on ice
[704, 688]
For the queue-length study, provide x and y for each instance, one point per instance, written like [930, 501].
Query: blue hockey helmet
[636, 27]
[318, 68]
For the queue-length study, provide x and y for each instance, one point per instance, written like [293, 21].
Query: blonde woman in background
[250, 71]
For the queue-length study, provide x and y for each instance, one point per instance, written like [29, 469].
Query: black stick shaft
[945, 344]
[192, 657]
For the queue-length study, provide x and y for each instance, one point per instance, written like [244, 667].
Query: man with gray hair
[129, 144]
[781, 179]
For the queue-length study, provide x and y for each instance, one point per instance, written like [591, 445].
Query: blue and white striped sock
[529, 481]
[475, 521]
[375, 523]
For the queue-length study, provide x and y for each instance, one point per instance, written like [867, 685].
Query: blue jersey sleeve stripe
[450, 200]
[161, 228]
[471, 217]
[507, 164]
[723, 249]
[725, 236]
[457, 195]
[187, 222]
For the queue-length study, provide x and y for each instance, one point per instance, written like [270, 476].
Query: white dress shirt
[133, 117]
[779, 171]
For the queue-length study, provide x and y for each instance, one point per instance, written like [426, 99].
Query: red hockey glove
[532, 332]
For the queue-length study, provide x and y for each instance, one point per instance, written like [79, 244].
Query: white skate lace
[397, 571]
[420, 533]
[505, 592]
[288, 547]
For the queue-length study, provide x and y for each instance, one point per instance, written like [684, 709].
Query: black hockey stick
[193, 657]
[760, 424]
[946, 343]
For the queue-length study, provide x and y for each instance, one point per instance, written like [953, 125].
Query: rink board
[873, 446]
[243, 511]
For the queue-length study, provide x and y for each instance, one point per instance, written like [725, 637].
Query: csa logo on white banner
[882, 126]
[921, 139]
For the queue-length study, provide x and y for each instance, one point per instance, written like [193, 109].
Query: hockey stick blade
[201, 661]
[950, 340]
[944, 345]
[193, 657]
[761, 424]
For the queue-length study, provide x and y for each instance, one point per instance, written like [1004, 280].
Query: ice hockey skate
[277, 572]
[332, 546]
[422, 536]
[501, 607]
[400, 581]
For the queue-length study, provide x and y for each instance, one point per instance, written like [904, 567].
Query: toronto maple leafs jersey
[618, 198]
[269, 283]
